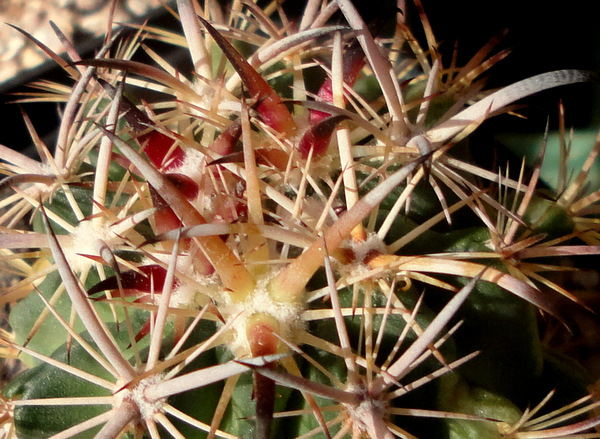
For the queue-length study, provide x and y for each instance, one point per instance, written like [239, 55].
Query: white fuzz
[88, 238]
[360, 250]
[288, 314]
[147, 408]
[372, 244]
[188, 294]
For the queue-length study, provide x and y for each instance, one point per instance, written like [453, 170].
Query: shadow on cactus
[287, 243]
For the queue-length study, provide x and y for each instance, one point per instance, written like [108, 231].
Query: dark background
[542, 38]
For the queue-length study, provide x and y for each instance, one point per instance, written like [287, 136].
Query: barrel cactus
[288, 239]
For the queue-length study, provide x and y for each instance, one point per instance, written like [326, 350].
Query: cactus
[289, 241]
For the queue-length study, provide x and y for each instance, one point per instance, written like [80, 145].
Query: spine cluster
[289, 240]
